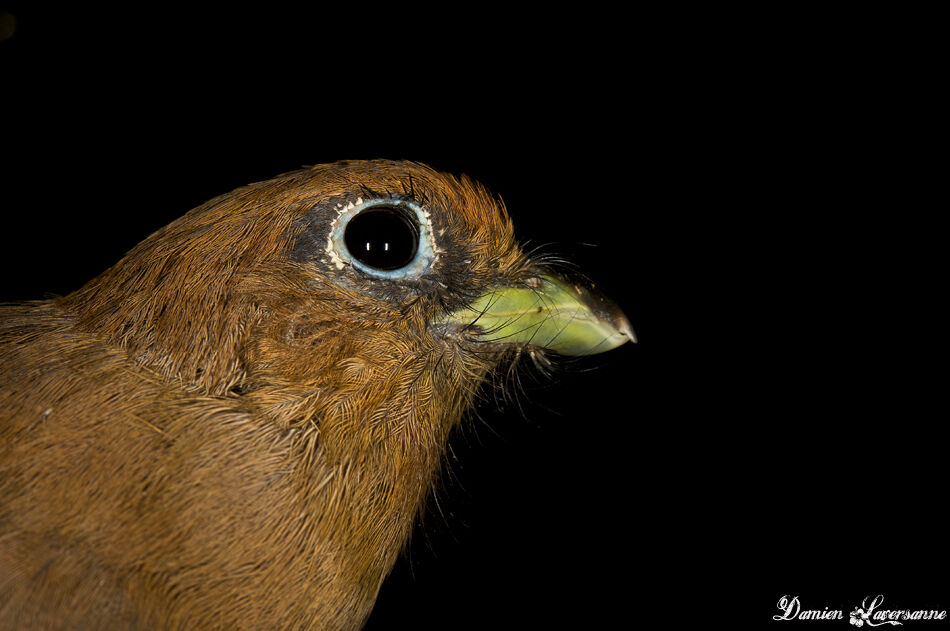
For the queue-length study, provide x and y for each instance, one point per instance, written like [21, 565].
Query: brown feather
[215, 435]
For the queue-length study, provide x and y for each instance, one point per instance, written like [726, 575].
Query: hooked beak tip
[627, 330]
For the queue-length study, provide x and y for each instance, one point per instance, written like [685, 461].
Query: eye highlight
[386, 238]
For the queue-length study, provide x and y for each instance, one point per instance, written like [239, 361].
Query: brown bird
[235, 427]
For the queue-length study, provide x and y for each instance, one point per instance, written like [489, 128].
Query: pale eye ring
[386, 238]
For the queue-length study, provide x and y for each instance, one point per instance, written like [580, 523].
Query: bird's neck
[369, 425]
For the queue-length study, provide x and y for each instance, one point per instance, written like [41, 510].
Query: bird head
[348, 311]
[280, 281]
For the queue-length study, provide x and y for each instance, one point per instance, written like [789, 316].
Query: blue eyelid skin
[426, 253]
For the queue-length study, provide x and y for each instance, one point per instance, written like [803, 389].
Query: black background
[752, 189]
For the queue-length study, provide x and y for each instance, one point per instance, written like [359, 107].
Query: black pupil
[383, 238]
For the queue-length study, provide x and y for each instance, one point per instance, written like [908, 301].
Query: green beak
[569, 318]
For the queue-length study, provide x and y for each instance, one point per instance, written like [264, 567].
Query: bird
[237, 425]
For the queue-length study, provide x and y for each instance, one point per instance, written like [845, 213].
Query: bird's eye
[386, 238]
[382, 237]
